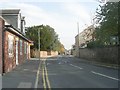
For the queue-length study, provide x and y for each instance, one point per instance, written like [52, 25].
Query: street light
[78, 39]
[39, 40]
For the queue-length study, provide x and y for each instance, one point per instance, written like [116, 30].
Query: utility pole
[78, 39]
[39, 42]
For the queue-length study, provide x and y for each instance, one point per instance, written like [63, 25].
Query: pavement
[61, 72]
[23, 76]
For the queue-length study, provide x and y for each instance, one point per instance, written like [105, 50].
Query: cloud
[49, 1]
[64, 23]
[35, 15]
[78, 10]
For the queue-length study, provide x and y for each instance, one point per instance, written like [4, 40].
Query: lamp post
[39, 42]
[78, 39]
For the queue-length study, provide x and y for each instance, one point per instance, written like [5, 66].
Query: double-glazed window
[10, 45]
[21, 47]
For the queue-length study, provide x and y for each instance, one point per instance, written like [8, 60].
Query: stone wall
[106, 54]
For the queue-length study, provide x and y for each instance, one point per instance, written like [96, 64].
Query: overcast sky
[62, 15]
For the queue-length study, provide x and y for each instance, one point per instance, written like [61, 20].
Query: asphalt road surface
[69, 72]
[61, 72]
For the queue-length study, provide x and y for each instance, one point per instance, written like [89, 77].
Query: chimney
[23, 25]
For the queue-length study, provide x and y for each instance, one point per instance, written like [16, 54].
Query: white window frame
[10, 45]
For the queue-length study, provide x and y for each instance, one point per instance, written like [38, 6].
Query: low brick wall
[35, 53]
[52, 53]
[106, 54]
[43, 53]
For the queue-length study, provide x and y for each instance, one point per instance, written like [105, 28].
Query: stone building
[83, 38]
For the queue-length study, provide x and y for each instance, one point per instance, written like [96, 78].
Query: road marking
[76, 66]
[44, 84]
[48, 82]
[24, 85]
[105, 75]
[37, 76]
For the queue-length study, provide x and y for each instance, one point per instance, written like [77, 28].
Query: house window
[20, 47]
[10, 45]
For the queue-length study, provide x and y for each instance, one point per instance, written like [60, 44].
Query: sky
[62, 15]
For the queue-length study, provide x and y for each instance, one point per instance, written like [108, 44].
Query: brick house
[14, 46]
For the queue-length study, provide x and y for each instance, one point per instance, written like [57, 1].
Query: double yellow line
[37, 76]
[46, 82]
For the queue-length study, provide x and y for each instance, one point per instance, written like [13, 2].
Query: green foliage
[48, 38]
[107, 17]
[95, 44]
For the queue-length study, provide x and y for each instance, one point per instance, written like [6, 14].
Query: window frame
[10, 45]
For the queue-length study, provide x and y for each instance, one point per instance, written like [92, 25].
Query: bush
[94, 44]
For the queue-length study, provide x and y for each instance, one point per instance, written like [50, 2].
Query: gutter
[16, 32]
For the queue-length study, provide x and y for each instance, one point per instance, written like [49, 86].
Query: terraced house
[14, 46]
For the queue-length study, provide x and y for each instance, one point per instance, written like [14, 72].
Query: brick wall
[35, 53]
[21, 57]
[42, 53]
[1, 29]
[52, 53]
[9, 62]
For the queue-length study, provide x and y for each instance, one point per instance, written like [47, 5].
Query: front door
[17, 53]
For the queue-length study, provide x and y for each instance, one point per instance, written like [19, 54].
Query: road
[65, 72]
[61, 72]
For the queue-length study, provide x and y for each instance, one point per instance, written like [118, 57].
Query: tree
[107, 17]
[32, 34]
[48, 38]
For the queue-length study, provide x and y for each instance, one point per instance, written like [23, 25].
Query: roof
[86, 29]
[10, 11]
[13, 30]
